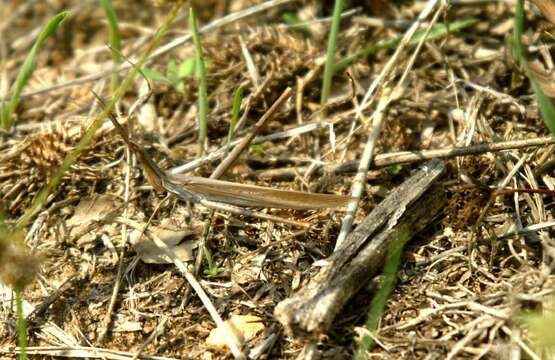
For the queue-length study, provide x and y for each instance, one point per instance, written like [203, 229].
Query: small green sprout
[8, 107]
[176, 74]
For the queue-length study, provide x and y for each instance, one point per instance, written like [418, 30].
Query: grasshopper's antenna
[134, 66]
[124, 134]
[155, 176]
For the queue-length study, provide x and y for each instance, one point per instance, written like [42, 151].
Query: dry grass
[461, 284]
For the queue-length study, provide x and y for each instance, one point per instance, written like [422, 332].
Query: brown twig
[405, 157]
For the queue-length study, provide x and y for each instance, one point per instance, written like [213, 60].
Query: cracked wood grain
[409, 208]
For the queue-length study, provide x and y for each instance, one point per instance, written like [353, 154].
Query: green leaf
[237, 98]
[291, 18]
[259, 149]
[171, 72]
[155, 75]
[5, 115]
[215, 271]
[115, 37]
[547, 110]
[186, 68]
[378, 305]
[180, 86]
[394, 169]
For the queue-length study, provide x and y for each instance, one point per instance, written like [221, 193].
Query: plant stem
[328, 69]
[115, 38]
[394, 253]
[202, 88]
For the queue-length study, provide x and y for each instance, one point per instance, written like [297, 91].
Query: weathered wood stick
[407, 210]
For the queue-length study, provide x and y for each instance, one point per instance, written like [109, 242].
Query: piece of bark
[406, 210]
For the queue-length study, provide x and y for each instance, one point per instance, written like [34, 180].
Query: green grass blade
[115, 37]
[377, 307]
[237, 98]
[4, 114]
[202, 89]
[547, 109]
[437, 31]
[518, 29]
[329, 67]
[28, 67]
[21, 332]
[42, 196]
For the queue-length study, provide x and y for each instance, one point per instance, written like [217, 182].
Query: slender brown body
[192, 188]
[257, 196]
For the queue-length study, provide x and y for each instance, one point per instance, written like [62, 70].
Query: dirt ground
[464, 280]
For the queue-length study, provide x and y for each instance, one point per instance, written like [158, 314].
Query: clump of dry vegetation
[464, 280]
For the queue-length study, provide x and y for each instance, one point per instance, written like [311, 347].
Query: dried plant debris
[278, 55]
[243, 327]
[468, 200]
[465, 206]
[33, 161]
[462, 287]
[180, 241]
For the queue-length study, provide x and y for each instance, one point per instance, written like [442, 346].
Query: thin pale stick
[78, 352]
[404, 157]
[117, 281]
[412, 156]
[194, 284]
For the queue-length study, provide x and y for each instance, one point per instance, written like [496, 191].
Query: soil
[462, 286]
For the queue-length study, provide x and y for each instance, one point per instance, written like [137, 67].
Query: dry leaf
[126, 325]
[242, 327]
[93, 208]
[547, 8]
[248, 270]
[171, 235]
[544, 78]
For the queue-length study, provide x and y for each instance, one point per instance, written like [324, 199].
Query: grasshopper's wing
[257, 196]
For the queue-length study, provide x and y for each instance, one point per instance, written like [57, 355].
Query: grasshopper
[195, 189]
